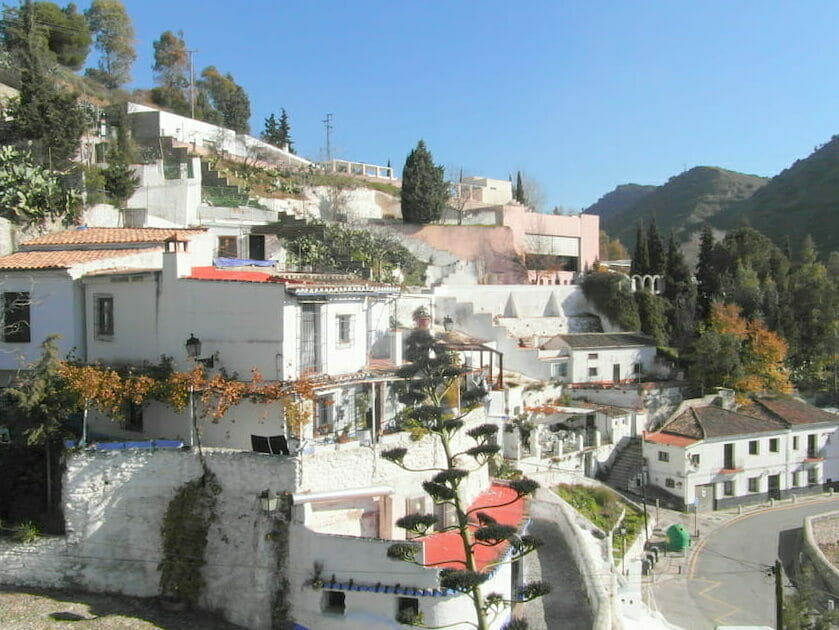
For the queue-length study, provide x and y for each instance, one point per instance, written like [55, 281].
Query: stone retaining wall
[818, 530]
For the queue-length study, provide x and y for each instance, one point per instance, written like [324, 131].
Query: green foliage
[604, 508]
[25, 532]
[29, 193]
[59, 35]
[641, 257]
[278, 132]
[184, 538]
[40, 402]
[655, 249]
[45, 117]
[171, 60]
[610, 293]
[424, 189]
[519, 194]
[652, 313]
[119, 179]
[228, 98]
[114, 39]
[715, 361]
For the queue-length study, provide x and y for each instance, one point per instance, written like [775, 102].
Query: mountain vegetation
[621, 199]
[684, 202]
[798, 201]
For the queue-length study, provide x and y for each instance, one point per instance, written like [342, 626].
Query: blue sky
[580, 96]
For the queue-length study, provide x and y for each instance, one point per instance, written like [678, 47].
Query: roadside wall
[820, 530]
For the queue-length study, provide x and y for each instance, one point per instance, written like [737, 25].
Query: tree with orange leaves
[739, 353]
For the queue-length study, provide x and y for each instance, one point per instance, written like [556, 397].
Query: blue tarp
[119, 446]
[243, 262]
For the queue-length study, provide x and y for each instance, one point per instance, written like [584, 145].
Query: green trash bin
[678, 538]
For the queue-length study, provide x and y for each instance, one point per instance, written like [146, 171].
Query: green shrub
[25, 532]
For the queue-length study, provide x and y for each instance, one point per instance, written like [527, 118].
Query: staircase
[628, 464]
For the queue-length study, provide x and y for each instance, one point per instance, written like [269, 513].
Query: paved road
[726, 577]
[566, 606]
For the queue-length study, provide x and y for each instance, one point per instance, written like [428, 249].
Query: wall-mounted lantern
[193, 351]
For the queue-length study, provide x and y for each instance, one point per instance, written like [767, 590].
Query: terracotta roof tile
[61, 259]
[101, 236]
[795, 411]
[668, 438]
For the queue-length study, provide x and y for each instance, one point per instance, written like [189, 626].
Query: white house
[599, 357]
[712, 455]
[42, 291]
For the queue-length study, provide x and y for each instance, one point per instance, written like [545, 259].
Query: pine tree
[424, 189]
[641, 258]
[680, 292]
[655, 249]
[114, 38]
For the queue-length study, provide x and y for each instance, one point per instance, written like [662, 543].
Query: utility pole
[779, 596]
[328, 124]
[191, 84]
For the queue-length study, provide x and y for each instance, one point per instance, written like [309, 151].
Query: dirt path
[34, 609]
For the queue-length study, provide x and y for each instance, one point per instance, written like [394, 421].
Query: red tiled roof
[214, 273]
[61, 259]
[445, 549]
[669, 438]
[89, 236]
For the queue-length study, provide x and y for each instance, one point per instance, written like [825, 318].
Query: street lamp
[622, 534]
[193, 351]
[269, 500]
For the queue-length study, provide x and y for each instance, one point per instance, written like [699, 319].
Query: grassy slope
[619, 200]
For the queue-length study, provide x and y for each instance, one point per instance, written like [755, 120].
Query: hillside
[685, 202]
[800, 200]
[622, 198]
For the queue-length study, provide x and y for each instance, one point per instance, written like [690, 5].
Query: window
[559, 370]
[812, 446]
[228, 247]
[592, 355]
[103, 316]
[796, 479]
[694, 459]
[592, 371]
[773, 445]
[795, 442]
[812, 476]
[728, 488]
[407, 610]
[16, 323]
[754, 447]
[754, 484]
[728, 456]
[323, 416]
[663, 456]
[334, 602]
[345, 329]
[669, 483]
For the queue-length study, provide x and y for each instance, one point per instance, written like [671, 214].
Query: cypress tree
[424, 189]
[655, 249]
[285, 130]
[519, 195]
[706, 276]
[641, 257]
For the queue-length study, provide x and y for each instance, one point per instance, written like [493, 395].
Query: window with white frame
[754, 484]
[795, 442]
[103, 316]
[345, 325]
[592, 356]
[728, 488]
[773, 445]
[694, 459]
[754, 447]
[796, 479]
[663, 456]
[592, 371]
[812, 476]
[669, 483]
